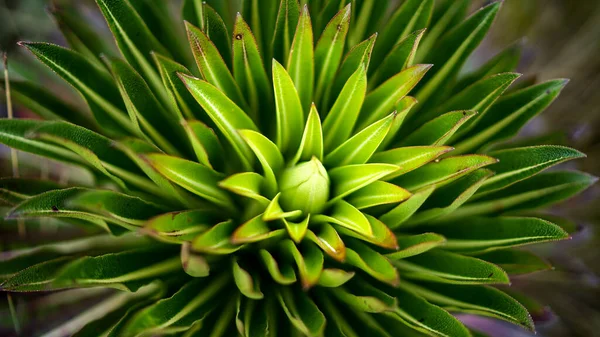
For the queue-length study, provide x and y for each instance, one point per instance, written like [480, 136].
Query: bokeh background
[558, 39]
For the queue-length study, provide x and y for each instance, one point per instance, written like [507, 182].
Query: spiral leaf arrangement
[286, 184]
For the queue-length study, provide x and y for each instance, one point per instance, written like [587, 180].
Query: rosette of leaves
[286, 184]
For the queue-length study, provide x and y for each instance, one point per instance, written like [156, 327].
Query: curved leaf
[227, 116]
[249, 71]
[446, 267]
[289, 110]
[483, 234]
[340, 120]
[359, 148]
[329, 49]
[301, 63]
[479, 300]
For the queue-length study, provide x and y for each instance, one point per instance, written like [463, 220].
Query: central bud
[304, 187]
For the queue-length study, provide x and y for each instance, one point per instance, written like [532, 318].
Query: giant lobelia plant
[286, 184]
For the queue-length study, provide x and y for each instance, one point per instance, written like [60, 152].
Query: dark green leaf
[479, 300]
[446, 267]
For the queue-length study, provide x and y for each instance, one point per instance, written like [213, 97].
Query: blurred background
[558, 39]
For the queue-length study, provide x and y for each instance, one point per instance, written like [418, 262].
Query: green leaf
[134, 39]
[541, 190]
[268, 155]
[505, 118]
[371, 262]
[249, 71]
[289, 110]
[409, 158]
[253, 317]
[156, 16]
[312, 139]
[521, 163]
[479, 97]
[308, 258]
[216, 240]
[454, 48]
[413, 15]
[301, 63]
[297, 231]
[70, 143]
[381, 235]
[126, 270]
[178, 227]
[505, 61]
[16, 190]
[351, 178]
[285, 27]
[282, 273]
[201, 14]
[328, 239]
[515, 262]
[447, 14]
[443, 171]
[399, 214]
[206, 144]
[411, 245]
[135, 149]
[302, 312]
[80, 36]
[484, 234]
[478, 300]
[247, 184]
[148, 116]
[180, 100]
[262, 16]
[349, 323]
[340, 120]
[254, 230]
[345, 215]
[365, 297]
[403, 108]
[447, 199]
[227, 116]
[194, 177]
[36, 277]
[400, 57]
[105, 316]
[194, 265]
[439, 130]
[359, 148]
[178, 312]
[213, 67]
[96, 206]
[329, 50]
[333, 278]
[378, 193]
[94, 84]
[446, 267]
[358, 57]
[420, 315]
[13, 261]
[46, 105]
[382, 99]
[275, 212]
[246, 282]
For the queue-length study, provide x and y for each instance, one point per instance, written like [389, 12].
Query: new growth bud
[304, 187]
